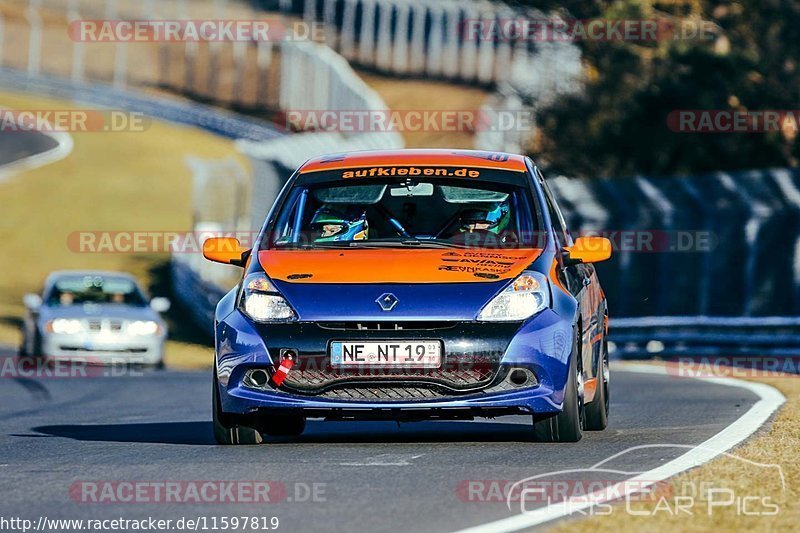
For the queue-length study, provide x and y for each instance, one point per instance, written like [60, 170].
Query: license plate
[419, 354]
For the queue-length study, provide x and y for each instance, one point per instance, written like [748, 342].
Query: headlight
[143, 327]
[262, 302]
[68, 326]
[525, 297]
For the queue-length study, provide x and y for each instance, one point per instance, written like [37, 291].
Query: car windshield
[96, 289]
[324, 210]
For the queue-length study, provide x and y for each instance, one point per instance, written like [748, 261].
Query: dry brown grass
[428, 95]
[776, 444]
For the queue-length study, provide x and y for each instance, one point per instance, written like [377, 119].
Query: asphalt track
[19, 145]
[372, 476]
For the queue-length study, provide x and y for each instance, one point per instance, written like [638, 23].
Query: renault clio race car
[412, 285]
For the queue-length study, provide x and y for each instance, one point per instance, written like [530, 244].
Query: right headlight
[523, 298]
[262, 302]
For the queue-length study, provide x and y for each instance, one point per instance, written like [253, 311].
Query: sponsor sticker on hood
[396, 266]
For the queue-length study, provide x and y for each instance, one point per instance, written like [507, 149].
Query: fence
[451, 39]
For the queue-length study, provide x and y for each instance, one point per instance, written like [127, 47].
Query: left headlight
[262, 302]
[67, 326]
[143, 327]
[526, 296]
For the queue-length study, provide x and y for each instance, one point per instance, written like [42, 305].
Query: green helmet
[340, 224]
[496, 218]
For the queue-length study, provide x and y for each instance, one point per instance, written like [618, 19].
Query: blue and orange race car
[412, 285]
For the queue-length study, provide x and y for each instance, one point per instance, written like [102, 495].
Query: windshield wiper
[431, 243]
[421, 243]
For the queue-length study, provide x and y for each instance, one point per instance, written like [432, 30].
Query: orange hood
[373, 265]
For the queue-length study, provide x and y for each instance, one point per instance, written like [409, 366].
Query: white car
[93, 316]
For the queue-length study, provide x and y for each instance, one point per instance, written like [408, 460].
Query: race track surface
[56, 433]
[16, 145]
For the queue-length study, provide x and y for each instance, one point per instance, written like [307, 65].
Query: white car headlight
[525, 297]
[67, 326]
[143, 327]
[262, 302]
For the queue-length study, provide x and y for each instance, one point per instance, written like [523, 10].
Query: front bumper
[541, 345]
[104, 348]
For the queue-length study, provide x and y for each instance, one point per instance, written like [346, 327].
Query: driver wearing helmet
[346, 223]
[493, 219]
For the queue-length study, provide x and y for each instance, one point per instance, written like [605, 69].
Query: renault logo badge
[387, 301]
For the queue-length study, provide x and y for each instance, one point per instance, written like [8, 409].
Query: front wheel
[566, 426]
[227, 427]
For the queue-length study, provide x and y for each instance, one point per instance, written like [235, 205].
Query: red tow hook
[280, 374]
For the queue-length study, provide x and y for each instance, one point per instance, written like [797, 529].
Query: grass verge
[121, 181]
[428, 95]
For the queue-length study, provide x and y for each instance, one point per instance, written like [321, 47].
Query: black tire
[22, 352]
[227, 427]
[283, 425]
[597, 409]
[566, 426]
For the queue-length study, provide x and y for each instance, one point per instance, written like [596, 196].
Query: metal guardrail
[675, 336]
[179, 111]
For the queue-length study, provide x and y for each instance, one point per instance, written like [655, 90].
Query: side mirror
[225, 250]
[160, 305]
[32, 302]
[590, 250]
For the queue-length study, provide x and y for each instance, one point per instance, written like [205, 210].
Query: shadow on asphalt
[156, 433]
[199, 433]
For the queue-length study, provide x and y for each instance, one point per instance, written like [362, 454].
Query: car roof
[427, 157]
[55, 275]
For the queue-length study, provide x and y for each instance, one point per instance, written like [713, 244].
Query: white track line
[747, 424]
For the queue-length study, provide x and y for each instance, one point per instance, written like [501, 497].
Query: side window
[285, 225]
[555, 213]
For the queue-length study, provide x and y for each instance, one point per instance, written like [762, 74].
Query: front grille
[98, 324]
[384, 394]
[388, 326]
[69, 348]
[460, 377]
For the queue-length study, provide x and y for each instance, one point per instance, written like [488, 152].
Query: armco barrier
[179, 111]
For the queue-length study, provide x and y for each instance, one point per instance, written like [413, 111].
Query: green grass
[130, 181]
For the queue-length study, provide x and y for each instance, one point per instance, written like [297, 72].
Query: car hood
[347, 285]
[381, 265]
[111, 311]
